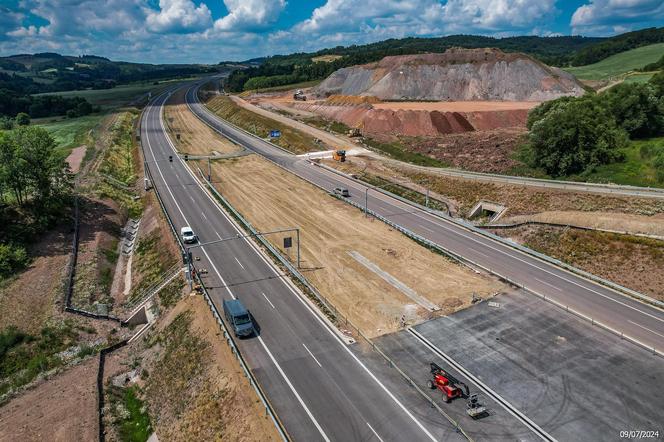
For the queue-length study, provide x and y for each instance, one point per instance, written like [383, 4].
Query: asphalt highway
[319, 387]
[637, 320]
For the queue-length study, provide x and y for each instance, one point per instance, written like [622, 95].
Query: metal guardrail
[472, 264]
[526, 250]
[602, 188]
[252, 380]
[573, 226]
[338, 316]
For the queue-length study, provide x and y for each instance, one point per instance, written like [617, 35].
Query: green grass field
[619, 64]
[636, 170]
[71, 133]
[119, 96]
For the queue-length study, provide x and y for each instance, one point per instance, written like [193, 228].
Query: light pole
[366, 195]
[187, 253]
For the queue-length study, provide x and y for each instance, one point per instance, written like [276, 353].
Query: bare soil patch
[75, 158]
[489, 151]
[272, 198]
[196, 389]
[455, 106]
[195, 136]
[62, 409]
[630, 261]
[33, 296]
[620, 222]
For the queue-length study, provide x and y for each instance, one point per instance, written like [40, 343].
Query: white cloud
[249, 15]
[601, 16]
[488, 15]
[179, 16]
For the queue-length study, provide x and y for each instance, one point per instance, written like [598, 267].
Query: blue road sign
[275, 133]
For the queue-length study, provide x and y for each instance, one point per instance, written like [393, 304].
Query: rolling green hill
[619, 64]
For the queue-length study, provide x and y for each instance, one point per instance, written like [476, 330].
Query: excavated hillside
[456, 75]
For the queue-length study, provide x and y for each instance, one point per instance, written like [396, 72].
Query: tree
[636, 108]
[574, 136]
[45, 173]
[22, 119]
[657, 82]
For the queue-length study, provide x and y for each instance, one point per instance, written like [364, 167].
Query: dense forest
[557, 51]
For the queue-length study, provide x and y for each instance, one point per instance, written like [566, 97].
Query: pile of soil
[456, 75]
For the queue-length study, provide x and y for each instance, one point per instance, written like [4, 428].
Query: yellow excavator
[339, 155]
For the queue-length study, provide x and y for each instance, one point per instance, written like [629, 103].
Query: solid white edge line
[313, 419]
[374, 432]
[316, 314]
[312, 355]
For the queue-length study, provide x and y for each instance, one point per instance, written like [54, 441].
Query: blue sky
[207, 31]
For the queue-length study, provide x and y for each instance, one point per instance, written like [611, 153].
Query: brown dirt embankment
[196, 388]
[630, 261]
[271, 198]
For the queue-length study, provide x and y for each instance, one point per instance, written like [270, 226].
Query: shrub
[22, 119]
[12, 259]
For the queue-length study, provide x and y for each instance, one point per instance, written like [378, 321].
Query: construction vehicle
[445, 382]
[299, 95]
[474, 408]
[339, 155]
[354, 132]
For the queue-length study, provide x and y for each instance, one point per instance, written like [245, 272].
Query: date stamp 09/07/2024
[639, 434]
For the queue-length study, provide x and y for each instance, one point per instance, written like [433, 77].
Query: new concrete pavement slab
[575, 381]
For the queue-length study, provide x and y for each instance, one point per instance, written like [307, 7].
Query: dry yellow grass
[271, 198]
[195, 136]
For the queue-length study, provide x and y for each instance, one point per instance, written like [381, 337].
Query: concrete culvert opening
[487, 210]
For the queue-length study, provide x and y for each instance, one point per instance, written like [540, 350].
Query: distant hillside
[614, 45]
[50, 72]
[554, 51]
[621, 63]
[287, 69]
[456, 75]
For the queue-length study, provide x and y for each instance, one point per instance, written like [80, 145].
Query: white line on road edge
[299, 399]
[312, 355]
[238, 261]
[315, 313]
[269, 302]
[549, 284]
[374, 432]
[315, 422]
[481, 385]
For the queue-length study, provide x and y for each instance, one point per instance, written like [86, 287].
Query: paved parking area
[576, 381]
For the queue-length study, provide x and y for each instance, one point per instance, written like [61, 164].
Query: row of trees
[38, 106]
[35, 190]
[572, 135]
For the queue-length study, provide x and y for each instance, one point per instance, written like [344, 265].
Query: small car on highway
[188, 236]
[342, 191]
[238, 318]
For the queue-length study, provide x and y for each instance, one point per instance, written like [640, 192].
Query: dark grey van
[238, 318]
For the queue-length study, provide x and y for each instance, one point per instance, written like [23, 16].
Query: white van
[188, 236]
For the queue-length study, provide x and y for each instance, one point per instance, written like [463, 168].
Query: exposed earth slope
[456, 75]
